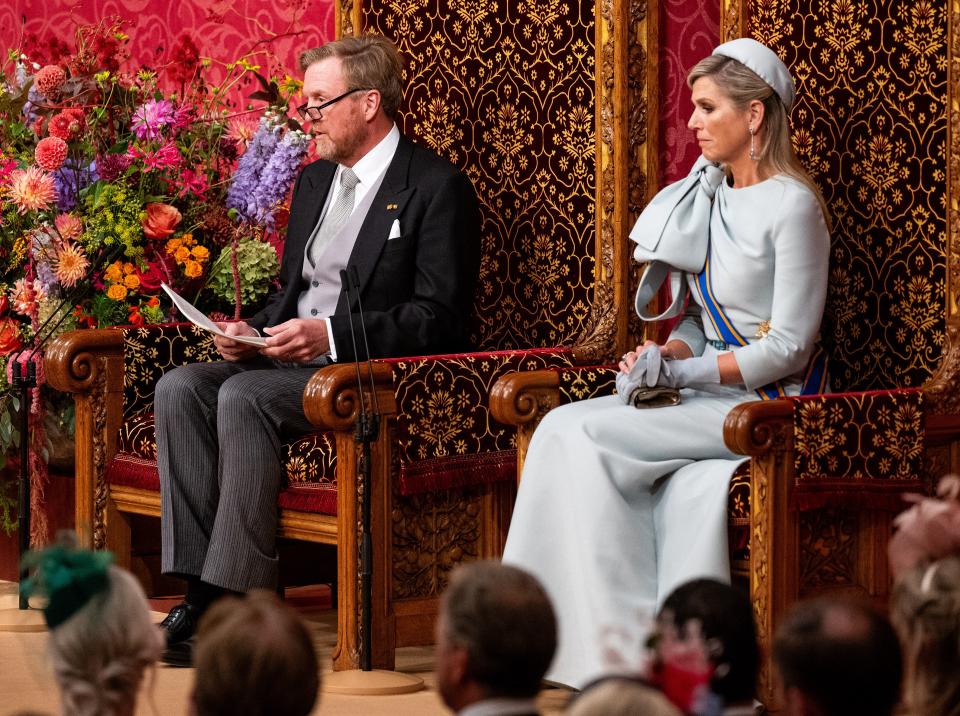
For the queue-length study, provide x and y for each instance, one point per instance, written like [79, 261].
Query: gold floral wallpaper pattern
[506, 91]
[870, 124]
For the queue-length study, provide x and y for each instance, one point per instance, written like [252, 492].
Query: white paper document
[197, 318]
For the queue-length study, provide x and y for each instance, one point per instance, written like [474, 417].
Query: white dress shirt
[368, 170]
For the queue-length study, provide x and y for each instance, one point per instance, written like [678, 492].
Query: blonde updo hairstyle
[925, 610]
[99, 655]
[742, 85]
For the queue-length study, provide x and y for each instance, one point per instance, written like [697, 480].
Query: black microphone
[345, 288]
[355, 276]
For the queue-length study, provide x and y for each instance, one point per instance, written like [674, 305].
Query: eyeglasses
[313, 114]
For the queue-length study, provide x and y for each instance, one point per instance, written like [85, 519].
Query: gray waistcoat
[322, 293]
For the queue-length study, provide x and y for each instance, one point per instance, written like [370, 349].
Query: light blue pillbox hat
[764, 61]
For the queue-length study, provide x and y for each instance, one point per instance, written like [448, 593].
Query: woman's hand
[671, 350]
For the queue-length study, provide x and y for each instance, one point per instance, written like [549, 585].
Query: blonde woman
[618, 505]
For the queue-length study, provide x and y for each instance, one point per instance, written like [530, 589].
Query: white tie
[336, 216]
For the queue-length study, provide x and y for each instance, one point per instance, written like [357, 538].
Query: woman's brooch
[762, 329]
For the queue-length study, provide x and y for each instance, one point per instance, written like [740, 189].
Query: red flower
[49, 80]
[184, 60]
[151, 278]
[4, 304]
[134, 316]
[84, 320]
[68, 125]
[9, 336]
[161, 220]
[50, 153]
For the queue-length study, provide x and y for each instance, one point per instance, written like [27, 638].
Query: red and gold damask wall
[222, 29]
[870, 124]
[507, 92]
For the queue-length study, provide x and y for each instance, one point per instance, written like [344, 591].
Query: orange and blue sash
[815, 379]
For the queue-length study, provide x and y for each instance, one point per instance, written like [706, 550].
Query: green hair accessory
[68, 577]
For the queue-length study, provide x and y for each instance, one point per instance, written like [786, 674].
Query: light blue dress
[618, 506]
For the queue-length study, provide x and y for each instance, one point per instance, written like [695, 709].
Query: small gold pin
[391, 207]
[763, 328]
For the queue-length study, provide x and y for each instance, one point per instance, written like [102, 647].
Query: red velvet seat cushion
[309, 464]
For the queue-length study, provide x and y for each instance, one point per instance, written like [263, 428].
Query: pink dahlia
[31, 190]
[26, 294]
[50, 153]
[68, 226]
[49, 80]
[150, 118]
[68, 125]
[70, 265]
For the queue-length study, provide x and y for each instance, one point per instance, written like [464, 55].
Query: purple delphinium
[34, 98]
[70, 180]
[247, 176]
[277, 176]
[150, 118]
[42, 252]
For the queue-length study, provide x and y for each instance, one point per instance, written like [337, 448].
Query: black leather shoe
[179, 654]
[180, 623]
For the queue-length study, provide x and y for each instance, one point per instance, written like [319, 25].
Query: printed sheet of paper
[197, 318]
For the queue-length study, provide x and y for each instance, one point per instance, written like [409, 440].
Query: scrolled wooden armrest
[70, 360]
[516, 398]
[759, 427]
[331, 400]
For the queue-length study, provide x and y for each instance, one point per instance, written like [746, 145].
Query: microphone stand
[24, 374]
[366, 681]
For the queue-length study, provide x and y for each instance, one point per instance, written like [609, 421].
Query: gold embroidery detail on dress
[763, 328]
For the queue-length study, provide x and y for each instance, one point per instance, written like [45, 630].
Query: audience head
[838, 658]
[496, 634]
[102, 637]
[723, 618]
[621, 697]
[254, 656]
[925, 608]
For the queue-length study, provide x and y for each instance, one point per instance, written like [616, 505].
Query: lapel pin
[391, 207]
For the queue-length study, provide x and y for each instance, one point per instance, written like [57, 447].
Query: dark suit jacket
[416, 290]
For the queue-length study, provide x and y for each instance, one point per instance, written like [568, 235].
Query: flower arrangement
[110, 186]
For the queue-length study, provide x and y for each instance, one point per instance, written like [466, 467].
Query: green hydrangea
[257, 264]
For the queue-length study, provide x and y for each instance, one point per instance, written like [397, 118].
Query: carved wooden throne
[811, 511]
[523, 96]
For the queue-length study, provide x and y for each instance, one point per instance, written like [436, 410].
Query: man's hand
[298, 340]
[234, 350]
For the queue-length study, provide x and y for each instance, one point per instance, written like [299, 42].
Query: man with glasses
[408, 223]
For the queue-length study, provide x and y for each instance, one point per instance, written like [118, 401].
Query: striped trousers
[220, 427]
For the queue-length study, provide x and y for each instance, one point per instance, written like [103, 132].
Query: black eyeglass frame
[307, 112]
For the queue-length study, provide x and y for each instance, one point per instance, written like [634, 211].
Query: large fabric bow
[672, 234]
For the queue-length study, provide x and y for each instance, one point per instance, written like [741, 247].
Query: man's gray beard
[341, 151]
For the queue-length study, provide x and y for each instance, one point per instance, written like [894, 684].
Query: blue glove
[643, 374]
[690, 372]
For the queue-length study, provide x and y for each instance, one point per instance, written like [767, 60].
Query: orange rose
[9, 336]
[117, 292]
[161, 220]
